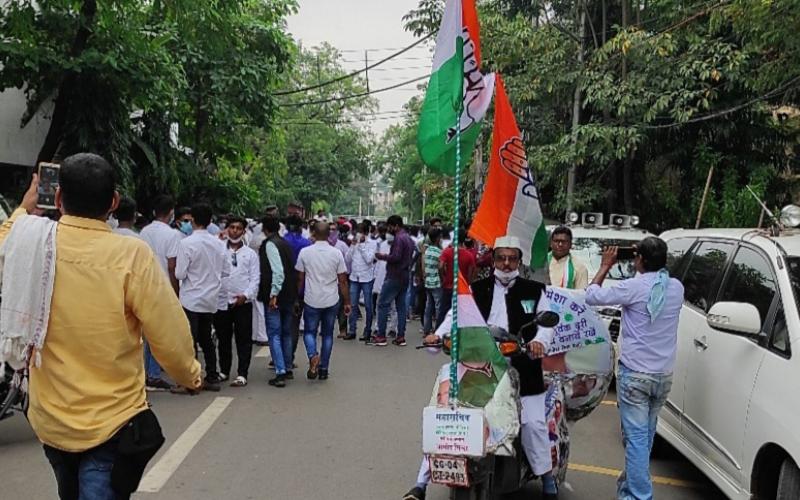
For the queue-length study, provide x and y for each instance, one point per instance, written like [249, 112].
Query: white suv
[734, 409]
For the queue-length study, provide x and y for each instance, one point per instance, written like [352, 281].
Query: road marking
[668, 481]
[159, 474]
[262, 352]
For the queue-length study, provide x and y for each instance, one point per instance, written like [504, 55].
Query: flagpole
[454, 336]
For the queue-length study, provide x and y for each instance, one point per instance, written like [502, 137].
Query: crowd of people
[272, 280]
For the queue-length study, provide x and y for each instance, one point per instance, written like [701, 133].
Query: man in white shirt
[380, 277]
[202, 263]
[126, 217]
[234, 316]
[322, 277]
[163, 240]
[337, 237]
[361, 260]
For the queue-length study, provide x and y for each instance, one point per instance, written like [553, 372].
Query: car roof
[789, 239]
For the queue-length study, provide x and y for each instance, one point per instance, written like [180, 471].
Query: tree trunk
[576, 113]
[68, 86]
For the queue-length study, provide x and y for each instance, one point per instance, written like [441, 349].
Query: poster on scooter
[579, 324]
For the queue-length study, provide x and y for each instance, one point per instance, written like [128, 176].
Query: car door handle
[701, 344]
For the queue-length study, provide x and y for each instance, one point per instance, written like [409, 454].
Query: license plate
[450, 471]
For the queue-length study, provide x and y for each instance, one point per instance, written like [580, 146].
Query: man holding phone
[86, 403]
[651, 306]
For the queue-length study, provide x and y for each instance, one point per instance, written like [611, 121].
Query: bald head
[322, 230]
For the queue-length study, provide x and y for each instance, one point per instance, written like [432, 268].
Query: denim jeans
[326, 319]
[85, 475]
[432, 306]
[279, 331]
[447, 304]
[640, 397]
[392, 291]
[356, 289]
[411, 297]
[151, 367]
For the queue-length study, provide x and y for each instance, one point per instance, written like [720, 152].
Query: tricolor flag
[481, 366]
[456, 84]
[510, 203]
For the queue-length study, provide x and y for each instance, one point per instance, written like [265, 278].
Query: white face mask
[505, 278]
[235, 241]
[389, 237]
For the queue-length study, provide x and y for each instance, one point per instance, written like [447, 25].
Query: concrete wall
[21, 146]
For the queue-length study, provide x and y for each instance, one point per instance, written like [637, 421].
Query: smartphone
[626, 253]
[48, 182]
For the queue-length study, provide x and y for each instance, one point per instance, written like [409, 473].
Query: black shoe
[349, 337]
[278, 381]
[323, 374]
[415, 493]
[289, 375]
[549, 496]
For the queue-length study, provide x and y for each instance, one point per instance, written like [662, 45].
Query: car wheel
[788, 481]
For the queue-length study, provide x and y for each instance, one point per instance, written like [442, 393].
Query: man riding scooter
[509, 302]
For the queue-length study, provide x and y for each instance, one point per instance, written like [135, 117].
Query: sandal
[239, 382]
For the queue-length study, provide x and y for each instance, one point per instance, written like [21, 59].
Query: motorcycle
[12, 398]
[570, 396]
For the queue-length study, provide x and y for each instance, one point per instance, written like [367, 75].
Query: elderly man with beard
[509, 302]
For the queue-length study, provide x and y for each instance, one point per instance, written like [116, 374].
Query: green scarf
[569, 273]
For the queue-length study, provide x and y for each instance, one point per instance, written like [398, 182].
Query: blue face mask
[186, 228]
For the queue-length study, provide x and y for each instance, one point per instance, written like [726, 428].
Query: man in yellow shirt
[564, 270]
[87, 396]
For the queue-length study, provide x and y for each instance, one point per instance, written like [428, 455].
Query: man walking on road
[163, 240]
[322, 279]
[651, 306]
[432, 280]
[126, 218]
[86, 387]
[234, 317]
[278, 292]
[398, 267]
[361, 257]
[202, 263]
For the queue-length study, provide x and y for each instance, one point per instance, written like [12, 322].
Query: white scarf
[27, 273]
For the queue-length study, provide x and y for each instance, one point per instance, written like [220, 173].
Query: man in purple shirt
[294, 236]
[398, 267]
[651, 307]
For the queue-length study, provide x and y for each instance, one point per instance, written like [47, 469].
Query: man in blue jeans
[651, 306]
[321, 278]
[278, 292]
[398, 272]
[361, 258]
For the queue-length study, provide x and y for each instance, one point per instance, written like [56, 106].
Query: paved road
[355, 436]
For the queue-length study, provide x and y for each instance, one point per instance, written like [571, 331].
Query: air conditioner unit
[620, 221]
[592, 219]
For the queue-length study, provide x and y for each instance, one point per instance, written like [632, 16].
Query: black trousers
[235, 323]
[201, 324]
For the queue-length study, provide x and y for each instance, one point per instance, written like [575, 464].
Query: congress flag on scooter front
[481, 365]
[456, 84]
[510, 203]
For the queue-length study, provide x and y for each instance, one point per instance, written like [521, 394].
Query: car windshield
[793, 264]
[590, 250]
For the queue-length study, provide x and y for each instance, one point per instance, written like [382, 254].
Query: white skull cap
[508, 242]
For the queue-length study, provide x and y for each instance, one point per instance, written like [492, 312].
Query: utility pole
[424, 191]
[366, 67]
[576, 111]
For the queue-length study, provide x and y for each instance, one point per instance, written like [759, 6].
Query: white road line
[262, 352]
[159, 474]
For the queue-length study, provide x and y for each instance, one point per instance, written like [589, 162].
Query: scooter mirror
[547, 319]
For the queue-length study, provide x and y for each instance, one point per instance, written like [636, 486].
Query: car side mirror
[737, 318]
[547, 319]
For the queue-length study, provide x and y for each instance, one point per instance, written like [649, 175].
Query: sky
[376, 25]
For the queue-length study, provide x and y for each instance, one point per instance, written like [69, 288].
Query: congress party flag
[458, 93]
[510, 203]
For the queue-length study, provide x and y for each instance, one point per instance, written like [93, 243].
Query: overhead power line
[354, 96]
[356, 73]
